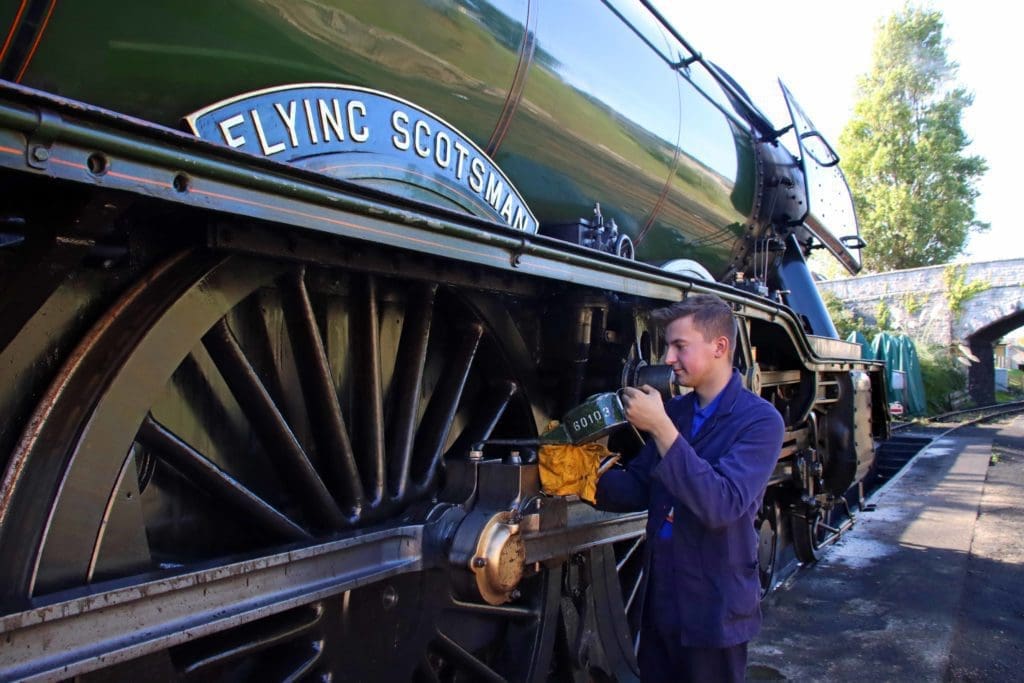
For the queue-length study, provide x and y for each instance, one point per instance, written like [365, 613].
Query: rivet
[389, 597]
[97, 164]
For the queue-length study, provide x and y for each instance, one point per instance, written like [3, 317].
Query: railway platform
[926, 587]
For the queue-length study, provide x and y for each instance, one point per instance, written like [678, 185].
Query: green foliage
[824, 264]
[904, 148]
[1016, 381]
[883, 316]
[912, 304]
[842, 317]
[958, 290]
[942, 377]
[847, 321]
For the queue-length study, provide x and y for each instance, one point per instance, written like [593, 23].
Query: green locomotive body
[291, 287]
[566, 113]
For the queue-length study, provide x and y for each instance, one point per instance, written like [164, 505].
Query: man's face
[692, 357]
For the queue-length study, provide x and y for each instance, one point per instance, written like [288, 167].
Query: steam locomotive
[286, 283]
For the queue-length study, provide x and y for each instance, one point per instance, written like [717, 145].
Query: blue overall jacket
[714, 482]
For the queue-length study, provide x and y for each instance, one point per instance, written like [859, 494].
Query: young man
[701, 477]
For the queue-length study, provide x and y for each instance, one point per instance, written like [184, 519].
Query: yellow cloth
[566, 469]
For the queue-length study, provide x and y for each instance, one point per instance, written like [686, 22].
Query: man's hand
[645, 410]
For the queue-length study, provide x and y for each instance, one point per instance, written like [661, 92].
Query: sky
[819, 48]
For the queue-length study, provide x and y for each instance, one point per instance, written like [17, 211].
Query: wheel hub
[500, 553]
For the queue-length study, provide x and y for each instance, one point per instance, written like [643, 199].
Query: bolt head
[389, 598]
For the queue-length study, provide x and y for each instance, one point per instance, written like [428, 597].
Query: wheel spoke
[210, 653]
[262, 346]
[466, 660]
[406, 387]
[301, 671]
[634, 590]
[629, 554]
[830, 529]
[270, 425]
[485, 420]
[321, 398]
[444, 402]
[502, 611]
[220, 485]
[369, 399]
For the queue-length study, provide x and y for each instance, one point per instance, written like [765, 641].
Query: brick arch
[981, 375]
[990, 311]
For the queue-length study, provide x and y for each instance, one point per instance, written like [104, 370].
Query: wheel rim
[222, 353]
[812, 531]
[594, 641]
[767, 545]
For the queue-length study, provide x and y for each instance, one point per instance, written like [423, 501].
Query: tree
[903, 150]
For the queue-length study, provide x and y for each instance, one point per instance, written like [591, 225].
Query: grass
[942, 379]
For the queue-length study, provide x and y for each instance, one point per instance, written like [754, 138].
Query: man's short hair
[711, 316]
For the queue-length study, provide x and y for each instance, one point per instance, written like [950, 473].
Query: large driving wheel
[245, 458]
[813, 530]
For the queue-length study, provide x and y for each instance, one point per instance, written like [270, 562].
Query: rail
[989, 412]
[889, 466]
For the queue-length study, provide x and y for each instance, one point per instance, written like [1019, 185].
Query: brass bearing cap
[498, 562]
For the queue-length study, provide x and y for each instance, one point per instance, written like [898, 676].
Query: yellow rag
[566, 469]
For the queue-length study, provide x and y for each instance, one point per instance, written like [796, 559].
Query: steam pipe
[801, 293]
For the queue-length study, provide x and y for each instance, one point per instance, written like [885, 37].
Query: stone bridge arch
[984, 303]
[986, 320]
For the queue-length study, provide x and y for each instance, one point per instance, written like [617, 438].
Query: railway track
[891, 456]
[983, 413]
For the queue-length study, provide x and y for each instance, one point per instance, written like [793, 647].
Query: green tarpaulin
[900, 354]
[865, 346]
[915, 382]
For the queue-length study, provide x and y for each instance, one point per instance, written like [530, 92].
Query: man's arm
[623, 490]
[720, 494]
[645, 409]
[628, 489]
